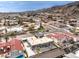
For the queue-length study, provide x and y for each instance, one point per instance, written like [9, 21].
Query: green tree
[41, 29]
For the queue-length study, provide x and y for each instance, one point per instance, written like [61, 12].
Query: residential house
[73, 22]
[10, 49]
[40, 45]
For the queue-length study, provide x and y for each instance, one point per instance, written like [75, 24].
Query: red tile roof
[59, 35]
[15, 44]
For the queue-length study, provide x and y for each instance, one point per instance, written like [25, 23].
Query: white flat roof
[17, 28]
[35, 41]
[77, 27]
[2, 27]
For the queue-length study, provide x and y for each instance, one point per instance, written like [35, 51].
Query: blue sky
[18, 6]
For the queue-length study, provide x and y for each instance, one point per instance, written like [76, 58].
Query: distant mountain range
[70, 9]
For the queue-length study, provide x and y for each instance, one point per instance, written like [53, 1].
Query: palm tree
[6, 36]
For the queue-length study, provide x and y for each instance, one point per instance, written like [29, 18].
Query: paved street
[50, 54]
